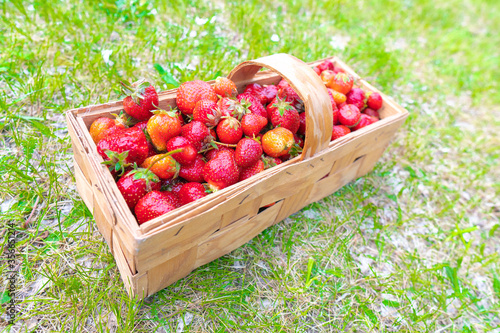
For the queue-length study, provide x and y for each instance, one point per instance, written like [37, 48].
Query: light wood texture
[159, 252]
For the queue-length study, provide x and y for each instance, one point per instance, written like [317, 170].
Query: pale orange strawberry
[277, 142]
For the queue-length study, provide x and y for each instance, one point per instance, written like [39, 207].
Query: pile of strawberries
[213, 137]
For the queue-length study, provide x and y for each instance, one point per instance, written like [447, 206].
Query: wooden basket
[161, 251]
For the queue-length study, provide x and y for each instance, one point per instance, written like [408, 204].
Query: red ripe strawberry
[302, 123]
[194, 171]
[143, 127]
[326, 65]
[163, 126]
[207, 112]
[371, 113]
[155, 204]
[224, 87]
[341, 105]
[356, 97]
[251, 170]
[247, 152]
[137, 183]
[364, 121]
[141, 99]
[374, 100]
[102, 127]
[197, 133]
[349, 115]
[252, 104]
[173, 185]
[252, 124]
[221, 171]
[256, 90]
[334, 108]
[191, 192]
[270, 92]
[212, 152]
[232, 108]
[229, 130]
[191, 92]
[317, 70]
[188, 154]
[124, 148]
[286, 91]
[283, 114]
[339, 130]
[270, 162]
[299, 140]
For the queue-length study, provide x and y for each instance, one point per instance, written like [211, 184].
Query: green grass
[412, 246]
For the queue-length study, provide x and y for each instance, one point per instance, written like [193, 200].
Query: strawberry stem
[164, 156]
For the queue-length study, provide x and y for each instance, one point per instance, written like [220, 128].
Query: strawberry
[197, 133]
[142, 125]
[252, 124]
[356, 97]
[286, 91]
[229, 130]
[374, 100]
[141, 98]
[335, 110]
[277, 142]
[137, 183]
[325, 65]
[270, 93]
[212, 152]
[188, 154]
[155, 204]
[102, 127]
[172, 185]
[349, 115]
[339, 98]
[252, 104]
[251, 170]
[317, 70]
[191, 192]
[283, 114]
[224, 87]
[207, 112]
[221, 171]
[231, 107]
[270, 162]
[163, 126]
[247, 152]
[342, 83]
[194, 171]
[123, 149]
[299, 140]
[371, 113]
[255, 90]
[364, 121]
[339, 130]
[162, 165]
[191, 92]
[302, 123]
[327, 76]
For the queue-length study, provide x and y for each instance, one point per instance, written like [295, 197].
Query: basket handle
[310, 88]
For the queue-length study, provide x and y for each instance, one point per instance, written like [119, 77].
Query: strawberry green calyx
[295, 151]
[123, 119]
[146, 174]
[172, 112]
[116, 161]
[282, 105]
[233, 122]
[135, 90]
